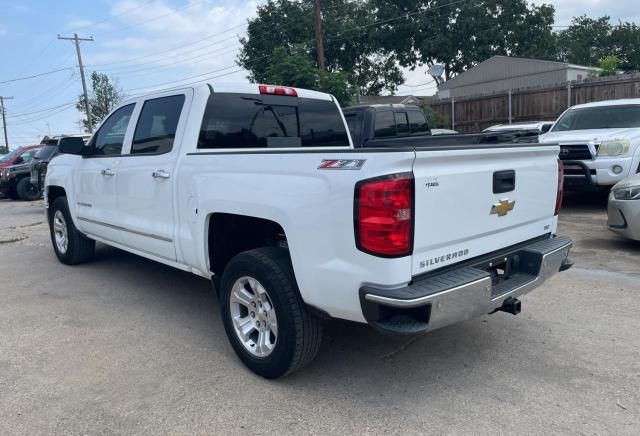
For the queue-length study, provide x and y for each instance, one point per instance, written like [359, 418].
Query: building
[501, 73]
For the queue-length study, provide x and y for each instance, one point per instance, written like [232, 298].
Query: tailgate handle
[504, 181]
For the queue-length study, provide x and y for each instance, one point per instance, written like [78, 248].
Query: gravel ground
[123, 345]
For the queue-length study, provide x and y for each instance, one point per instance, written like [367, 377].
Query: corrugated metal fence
[473, 114]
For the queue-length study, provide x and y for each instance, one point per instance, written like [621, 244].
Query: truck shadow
[357, 360]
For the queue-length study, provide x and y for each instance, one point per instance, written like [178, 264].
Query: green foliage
[588, 41]
[298, 70]
[461, 35]
[609, 65]
[433, 118]
[104, 96]
[354, 52]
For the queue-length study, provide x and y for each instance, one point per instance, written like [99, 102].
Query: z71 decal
[342, 164]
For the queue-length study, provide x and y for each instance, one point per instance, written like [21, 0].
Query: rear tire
[258, 286]
[71, 246]
[26, 191]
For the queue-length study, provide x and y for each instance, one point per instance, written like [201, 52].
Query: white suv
[599, 142]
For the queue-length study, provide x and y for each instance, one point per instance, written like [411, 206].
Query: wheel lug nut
[257, 323]
[260, 303]
[253, 314]
[264, 323]
[253, 303]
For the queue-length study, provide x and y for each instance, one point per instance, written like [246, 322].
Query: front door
[146, 176]
[96, 176]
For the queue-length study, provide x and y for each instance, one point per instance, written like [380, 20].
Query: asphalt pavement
[123, 345]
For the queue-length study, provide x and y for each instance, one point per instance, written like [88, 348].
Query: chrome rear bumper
[467, 292]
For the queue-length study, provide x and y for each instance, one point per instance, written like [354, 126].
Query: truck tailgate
[471, 201]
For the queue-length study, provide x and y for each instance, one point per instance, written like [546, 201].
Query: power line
[46, 73]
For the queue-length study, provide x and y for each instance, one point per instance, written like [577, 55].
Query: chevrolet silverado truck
[259, 189]
[599, 143]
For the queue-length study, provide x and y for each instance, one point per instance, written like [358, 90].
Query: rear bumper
[468, 292]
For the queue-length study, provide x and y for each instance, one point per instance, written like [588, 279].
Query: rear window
[260, 121]
[46, 152]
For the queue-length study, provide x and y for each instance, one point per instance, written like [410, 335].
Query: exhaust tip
[511, 305]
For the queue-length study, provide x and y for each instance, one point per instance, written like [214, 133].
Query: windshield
[609, 117]
[9, 156]
[46, 152]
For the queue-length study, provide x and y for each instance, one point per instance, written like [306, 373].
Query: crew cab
[399, 125]
[14, 178]
[260, 189]
[599, 143]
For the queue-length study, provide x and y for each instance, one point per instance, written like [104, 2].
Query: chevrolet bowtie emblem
[503, 208]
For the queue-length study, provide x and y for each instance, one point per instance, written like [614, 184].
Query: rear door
[146, 175]
[472, 201]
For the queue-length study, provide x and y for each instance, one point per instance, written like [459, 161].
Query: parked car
[599, 143]
[534, 126]
[15, 183]
[260, 189]
[624, 208]
[444, 132]
[42, 158]
[399, 125]
[14, 179]
[18, 155]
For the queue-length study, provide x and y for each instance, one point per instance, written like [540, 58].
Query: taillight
[560, 192]
[278, 90]
[384, 215]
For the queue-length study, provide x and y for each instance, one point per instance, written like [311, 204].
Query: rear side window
[418, 123]
[259, 121]
[385, 125]
[157, 124]
[402, 123]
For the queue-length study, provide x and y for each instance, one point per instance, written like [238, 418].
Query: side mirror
[546, 128]
[71, 145]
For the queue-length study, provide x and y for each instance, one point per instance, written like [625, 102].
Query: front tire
[71, 246]
[26, 191]
[264, 316]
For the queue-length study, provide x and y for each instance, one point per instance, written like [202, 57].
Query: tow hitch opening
[511, 305]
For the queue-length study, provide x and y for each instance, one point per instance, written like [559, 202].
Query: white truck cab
[599, 143]
[260, 189]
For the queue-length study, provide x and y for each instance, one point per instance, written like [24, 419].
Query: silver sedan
[624, 208]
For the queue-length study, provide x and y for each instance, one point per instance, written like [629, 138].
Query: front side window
[109, 139]
[607, 117]
[28, 155]
[256, 121]
[157, 125]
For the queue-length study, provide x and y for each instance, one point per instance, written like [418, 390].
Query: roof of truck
[621, 102]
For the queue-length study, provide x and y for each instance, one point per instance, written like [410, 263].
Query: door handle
[107, 172]
[160, 174]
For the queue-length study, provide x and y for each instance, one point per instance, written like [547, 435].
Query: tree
[459, 35]
[103, 98]
[625, 41]
[298, 70]
[609, 65]
[351, 45]
[585, 41]
[433, 117]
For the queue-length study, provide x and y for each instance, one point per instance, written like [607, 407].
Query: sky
[146, 45]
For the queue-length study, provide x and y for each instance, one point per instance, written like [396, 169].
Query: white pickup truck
[259, 189]
[599, 143]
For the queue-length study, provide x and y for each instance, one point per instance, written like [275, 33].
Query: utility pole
[87, 106]
[319, 43]
[4, 123]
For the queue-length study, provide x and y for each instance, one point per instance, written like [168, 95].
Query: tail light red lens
[560, 192]
[384, 215]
